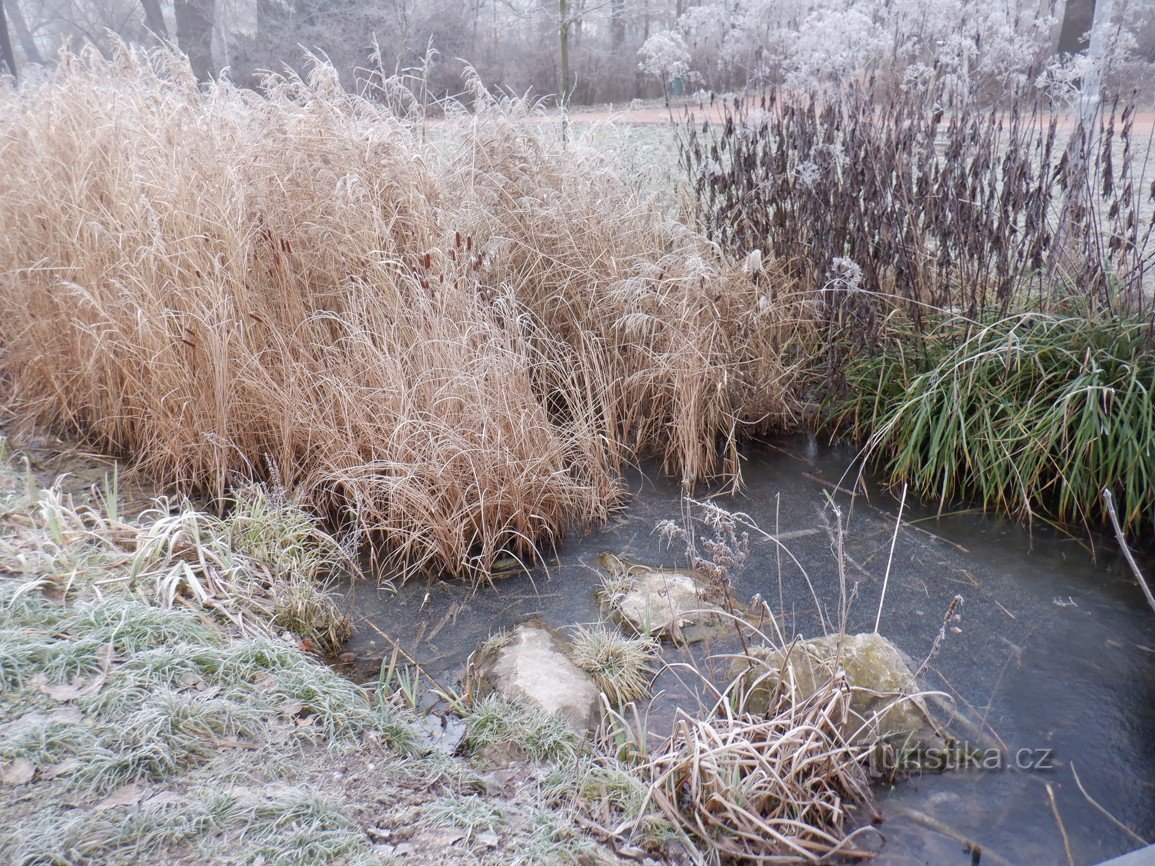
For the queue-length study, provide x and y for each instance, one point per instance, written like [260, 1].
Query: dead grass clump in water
[782, 786]
[767, 773]
[451, 345]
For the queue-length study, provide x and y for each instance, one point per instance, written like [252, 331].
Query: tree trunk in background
[1077, 18]
[23, 34]
[575, 32]
[154, 18]
[1098, 56]
[563, 83]
[618, 22]
[194, 34]
[6, 55]
[273, 17]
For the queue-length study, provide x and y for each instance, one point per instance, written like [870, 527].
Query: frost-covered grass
[494, 722]
[162, 694]
[146, 718]
[623, 667]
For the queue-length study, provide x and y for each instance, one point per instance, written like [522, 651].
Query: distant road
[656, 115]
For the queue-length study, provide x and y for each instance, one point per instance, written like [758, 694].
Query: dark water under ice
[1055, 660]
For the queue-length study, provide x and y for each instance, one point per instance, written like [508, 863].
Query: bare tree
[563, 25]
[23, 34]
[6, 54]
[194, 34]
[1097, 55]
[1077, 18]
[154, 18]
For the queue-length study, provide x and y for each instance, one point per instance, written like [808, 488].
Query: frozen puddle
[1054, 651]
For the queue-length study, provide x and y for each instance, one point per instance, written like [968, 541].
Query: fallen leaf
[65, 768]
[126, 795]
[243, 796]
[72, 691]
[167, 798]
[441, 838]
[403, 849]
[23, 723]
[263, 680]
[293, 708]
[17, 772]
[233, 743]
[189, 680]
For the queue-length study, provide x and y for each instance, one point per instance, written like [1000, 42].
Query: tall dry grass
[929, 197]
[452, 337]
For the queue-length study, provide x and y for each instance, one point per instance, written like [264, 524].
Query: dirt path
[651, 114]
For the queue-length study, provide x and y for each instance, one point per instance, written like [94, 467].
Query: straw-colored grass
[623, 667]
[780, 786]
[451, 337]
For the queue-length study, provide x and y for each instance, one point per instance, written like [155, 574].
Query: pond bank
[148, 715]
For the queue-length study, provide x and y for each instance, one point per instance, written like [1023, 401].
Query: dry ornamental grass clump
[451, 338]
[780, 786]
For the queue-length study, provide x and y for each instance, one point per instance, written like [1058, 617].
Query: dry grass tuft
[451, 338]
[777, 787]
[623, 667]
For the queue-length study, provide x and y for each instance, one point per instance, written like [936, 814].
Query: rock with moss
[673, 603]
[886, 708]
[531, 665]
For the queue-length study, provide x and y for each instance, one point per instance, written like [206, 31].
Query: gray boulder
[530, 666]
[669, 603]
[886, 708]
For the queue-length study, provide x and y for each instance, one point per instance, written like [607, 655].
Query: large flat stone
[532, 667]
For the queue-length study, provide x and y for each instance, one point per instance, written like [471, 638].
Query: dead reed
[922, 195]
[451, 338]
[780, 786]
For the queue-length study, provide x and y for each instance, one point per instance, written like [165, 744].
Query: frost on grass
[286, 826]
[113, 690]
[529, 733]
[269, 528]
[151, 719]
[622, 667]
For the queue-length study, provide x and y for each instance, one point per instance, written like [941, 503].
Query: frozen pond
[1054, 658]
